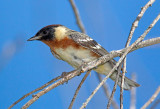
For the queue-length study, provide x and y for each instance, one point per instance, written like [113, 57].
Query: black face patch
[47, 33]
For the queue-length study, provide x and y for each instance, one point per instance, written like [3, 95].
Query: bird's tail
[128, 83]
[106, 68]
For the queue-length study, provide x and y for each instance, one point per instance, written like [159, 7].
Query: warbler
[77, 48]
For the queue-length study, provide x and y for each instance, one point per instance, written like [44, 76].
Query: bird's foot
[63, 75]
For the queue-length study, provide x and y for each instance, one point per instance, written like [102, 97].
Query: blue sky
[29, 65]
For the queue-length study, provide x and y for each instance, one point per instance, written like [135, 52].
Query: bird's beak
[35, 38]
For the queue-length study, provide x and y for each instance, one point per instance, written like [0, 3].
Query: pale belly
[77, 57]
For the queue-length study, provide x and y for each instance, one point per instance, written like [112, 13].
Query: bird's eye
[44, 32]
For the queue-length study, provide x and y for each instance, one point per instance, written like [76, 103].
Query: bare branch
[134, 26]
[120, 60]
[135, 23]
[115, 85]
[40, 88]
[61, 81]
[107, 92]
[78, 88]
[76, 13]
[151, 99]
[146, 43]
[122, 83]
[133, 94]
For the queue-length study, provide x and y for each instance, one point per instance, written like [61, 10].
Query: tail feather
[106, 68]
[128, 83]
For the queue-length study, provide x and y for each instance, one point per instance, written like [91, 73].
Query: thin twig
[107, 92]
[76, 13]
[133, 94]
[122, 83]
[115, 85]
[40, 88]
[78, 88]
[120, 60]
[135, 23]
[134, 26]
[61, 81]
[151, 99]
[146, 43]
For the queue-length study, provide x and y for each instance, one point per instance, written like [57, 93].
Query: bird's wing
[55, 55]
[89, 43]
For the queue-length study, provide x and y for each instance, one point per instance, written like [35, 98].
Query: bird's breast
[71, 52]
[74, 56]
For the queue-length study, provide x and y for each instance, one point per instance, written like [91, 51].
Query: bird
[77, 48]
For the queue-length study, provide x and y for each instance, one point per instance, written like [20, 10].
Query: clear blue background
[25, 66]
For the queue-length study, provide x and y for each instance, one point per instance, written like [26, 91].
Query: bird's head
[49, 33]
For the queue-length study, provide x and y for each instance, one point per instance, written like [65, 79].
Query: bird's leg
[64, 74]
